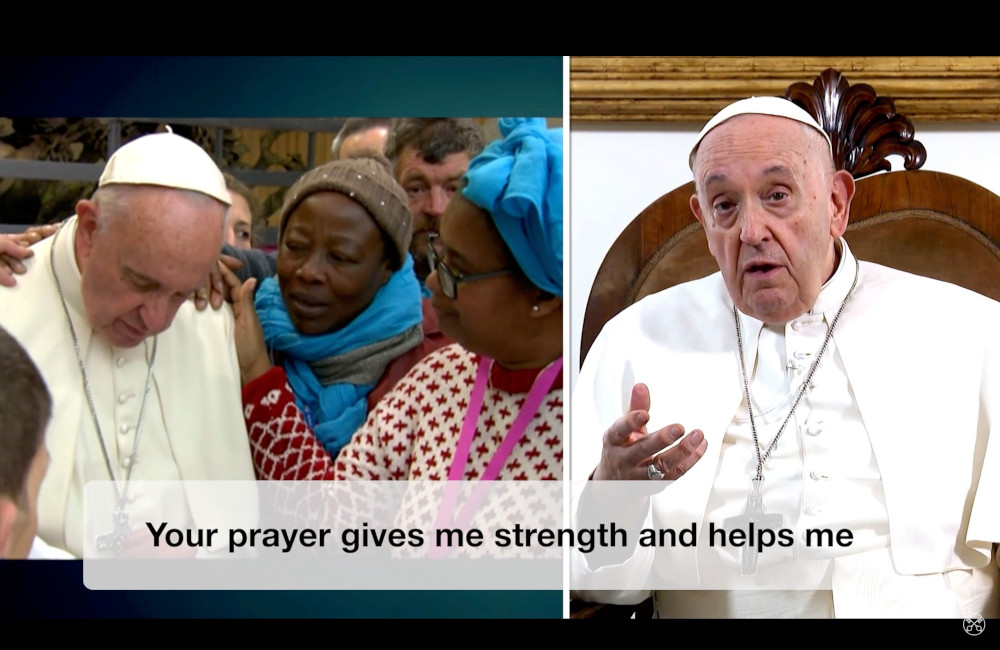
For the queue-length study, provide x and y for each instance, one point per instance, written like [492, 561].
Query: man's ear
[700, 216]
[841, 193]
[86, 229]
[696, 209]
[8, 513]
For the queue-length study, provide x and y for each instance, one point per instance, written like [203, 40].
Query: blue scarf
[336, 411]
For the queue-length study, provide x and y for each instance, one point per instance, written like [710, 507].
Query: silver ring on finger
[654, 472]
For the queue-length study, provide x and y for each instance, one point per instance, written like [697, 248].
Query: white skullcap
[776, 106]
[166, 160]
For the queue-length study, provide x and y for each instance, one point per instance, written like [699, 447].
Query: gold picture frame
[692, 89]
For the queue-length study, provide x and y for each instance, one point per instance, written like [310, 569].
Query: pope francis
[144, 386]
[798, 389]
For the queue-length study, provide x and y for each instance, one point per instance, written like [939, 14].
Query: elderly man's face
[139, 267]
[429, 187]
[772, 208]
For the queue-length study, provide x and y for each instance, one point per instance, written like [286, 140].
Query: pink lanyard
[543, 382]
[539, 389]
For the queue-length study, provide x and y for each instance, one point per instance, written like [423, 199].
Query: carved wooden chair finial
[863, 127]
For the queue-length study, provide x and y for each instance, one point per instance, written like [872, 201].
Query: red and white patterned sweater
[413, 431]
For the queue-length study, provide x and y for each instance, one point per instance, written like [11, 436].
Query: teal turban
[518, 181]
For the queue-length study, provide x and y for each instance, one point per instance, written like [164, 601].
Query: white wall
[616, 170]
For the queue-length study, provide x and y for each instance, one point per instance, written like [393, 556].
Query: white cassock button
[124, 429]
[800, 355]
[124, 398]
[813, 430]
[796, 325]
[127, 462]
[120, 361]
[812, 511]
[818, 476]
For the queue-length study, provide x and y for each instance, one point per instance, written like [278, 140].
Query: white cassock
[891, 440]
[42, 551]
[192, 429]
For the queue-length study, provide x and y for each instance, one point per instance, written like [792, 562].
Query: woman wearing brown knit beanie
[490, 406]
[345, 304]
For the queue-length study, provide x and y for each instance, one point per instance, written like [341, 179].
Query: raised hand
[250, 347]
[629, 449]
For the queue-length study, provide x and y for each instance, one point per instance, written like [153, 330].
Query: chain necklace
[754, 512]
[761, 457]
[115, 540]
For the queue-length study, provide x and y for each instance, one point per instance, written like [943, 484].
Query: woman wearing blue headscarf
[489, 406]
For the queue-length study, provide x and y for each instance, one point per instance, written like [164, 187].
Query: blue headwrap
[518, 180]
[337, 410]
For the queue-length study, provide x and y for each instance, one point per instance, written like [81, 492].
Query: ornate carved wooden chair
[928, 223]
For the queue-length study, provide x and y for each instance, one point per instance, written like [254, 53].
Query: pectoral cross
[753, 515]
[115, 541]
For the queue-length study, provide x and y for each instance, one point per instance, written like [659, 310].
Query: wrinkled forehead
[179, 265]
[449, 167]
[765, 140]
[167, 227]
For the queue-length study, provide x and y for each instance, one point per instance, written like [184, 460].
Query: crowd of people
[164, 364]
[409, 326]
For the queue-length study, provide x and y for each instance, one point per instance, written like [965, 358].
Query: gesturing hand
[629, 449]
[250, 347]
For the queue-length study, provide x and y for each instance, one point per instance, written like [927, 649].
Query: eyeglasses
[448, 279]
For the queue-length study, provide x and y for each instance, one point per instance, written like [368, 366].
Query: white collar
[64, 259]
[833, 292]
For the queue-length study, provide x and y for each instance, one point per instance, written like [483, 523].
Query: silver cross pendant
[115, 541]
[753, 514]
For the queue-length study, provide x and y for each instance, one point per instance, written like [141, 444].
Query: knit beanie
[368, 181]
